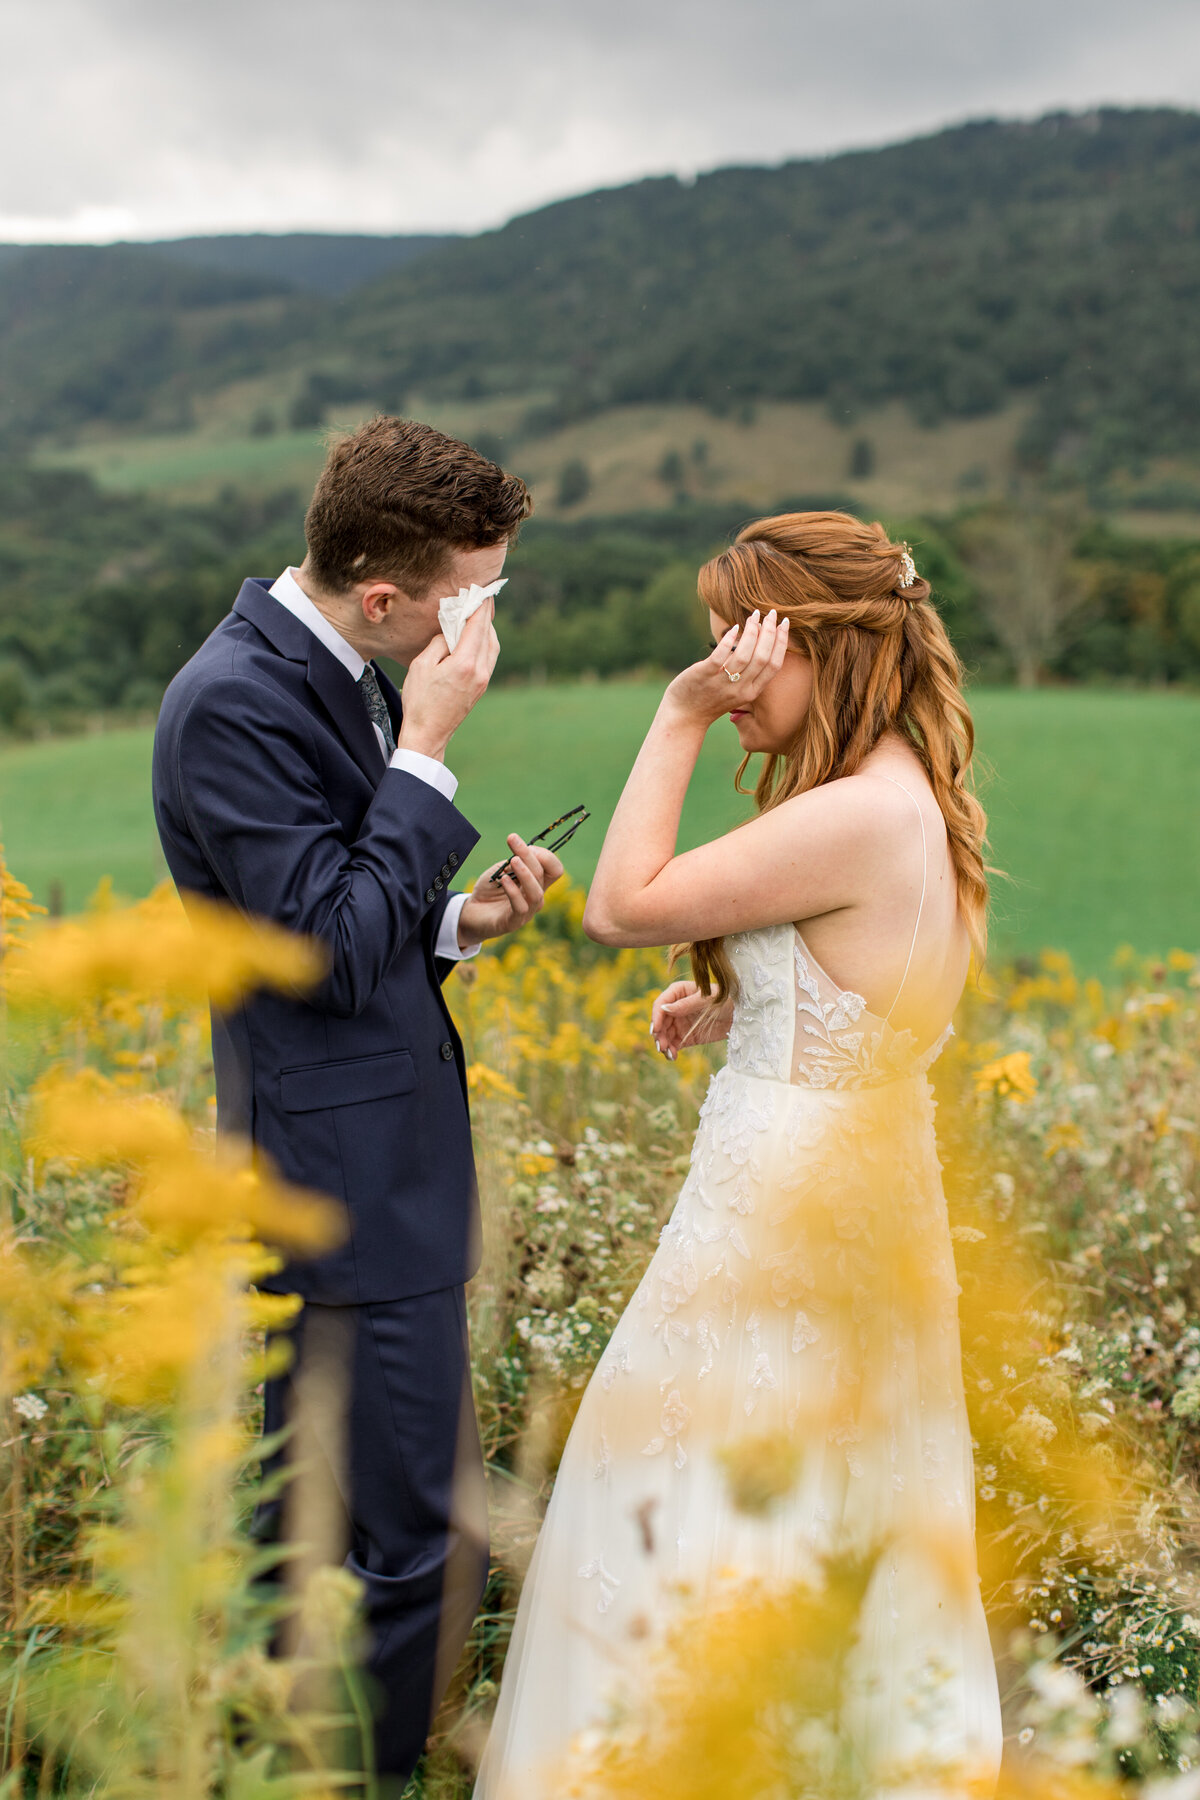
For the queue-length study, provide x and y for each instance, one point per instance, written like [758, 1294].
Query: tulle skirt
[784, 1390]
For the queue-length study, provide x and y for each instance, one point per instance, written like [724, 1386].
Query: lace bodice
[792, 1023]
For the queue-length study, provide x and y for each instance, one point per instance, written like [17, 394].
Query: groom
[290, 782]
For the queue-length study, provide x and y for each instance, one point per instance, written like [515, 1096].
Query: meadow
[196, 465]
[634, 456]
[769, 449]
[1090, 794]
[133, 1631]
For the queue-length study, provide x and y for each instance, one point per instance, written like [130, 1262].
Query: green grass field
[194, 465]
[1094, 800]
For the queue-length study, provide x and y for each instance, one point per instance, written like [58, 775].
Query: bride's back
[906, 950]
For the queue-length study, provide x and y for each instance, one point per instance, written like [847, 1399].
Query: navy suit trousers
[403, 1463]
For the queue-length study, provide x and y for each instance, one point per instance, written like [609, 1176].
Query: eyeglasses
[572, 820]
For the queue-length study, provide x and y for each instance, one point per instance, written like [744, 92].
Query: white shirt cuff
[426, 768]
[447, 937]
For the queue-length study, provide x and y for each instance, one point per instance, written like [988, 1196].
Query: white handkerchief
[454, 612]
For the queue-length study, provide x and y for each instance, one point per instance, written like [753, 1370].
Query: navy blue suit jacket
[271, 793]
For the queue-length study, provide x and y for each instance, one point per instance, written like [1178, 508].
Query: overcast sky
[159, 118]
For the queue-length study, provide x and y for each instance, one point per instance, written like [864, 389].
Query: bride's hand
[744, 661]
[676, 1011]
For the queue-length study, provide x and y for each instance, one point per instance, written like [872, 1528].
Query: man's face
[409, 625]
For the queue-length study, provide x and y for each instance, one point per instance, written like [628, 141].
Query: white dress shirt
[289, 593]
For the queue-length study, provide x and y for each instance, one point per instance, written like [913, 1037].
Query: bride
[802, 1302]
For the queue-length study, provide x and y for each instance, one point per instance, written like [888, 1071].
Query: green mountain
[1056, 262]
[124, 334]
[318, 262]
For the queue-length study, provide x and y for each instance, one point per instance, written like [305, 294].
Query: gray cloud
[130, 118]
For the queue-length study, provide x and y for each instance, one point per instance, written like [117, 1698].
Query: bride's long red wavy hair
[881, 662]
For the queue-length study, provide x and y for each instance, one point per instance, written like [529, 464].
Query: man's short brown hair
[395, 500]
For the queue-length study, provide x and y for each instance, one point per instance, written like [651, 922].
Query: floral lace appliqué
[831, 1053]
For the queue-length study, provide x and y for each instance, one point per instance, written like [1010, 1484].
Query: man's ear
[377, 600]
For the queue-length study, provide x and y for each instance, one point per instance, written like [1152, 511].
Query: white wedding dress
[804, 1284]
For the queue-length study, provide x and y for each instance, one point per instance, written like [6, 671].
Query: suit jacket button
[438, 883]
[445, 871]
[430, 896]
[452, 859]
[447, 1052]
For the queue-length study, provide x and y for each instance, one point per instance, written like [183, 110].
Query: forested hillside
[103, 597]
[1056, 262]
[319, 262]
[125, 333]
[1059, 260]
[122, 334]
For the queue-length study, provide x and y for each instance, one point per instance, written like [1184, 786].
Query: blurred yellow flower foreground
[134, 1646]
[133, 1658]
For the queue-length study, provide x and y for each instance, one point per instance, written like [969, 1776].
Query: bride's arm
[641, 836]
[814, 854]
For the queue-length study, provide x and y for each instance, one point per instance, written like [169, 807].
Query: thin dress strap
[924, 881]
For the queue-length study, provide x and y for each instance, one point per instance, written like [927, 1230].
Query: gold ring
[733, 675]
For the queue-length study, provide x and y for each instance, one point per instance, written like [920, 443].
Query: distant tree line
[103, 597]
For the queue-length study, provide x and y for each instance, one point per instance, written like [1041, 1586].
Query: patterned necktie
[376, 705]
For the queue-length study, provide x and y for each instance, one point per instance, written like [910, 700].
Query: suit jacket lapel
[338, 693]
[329, 679]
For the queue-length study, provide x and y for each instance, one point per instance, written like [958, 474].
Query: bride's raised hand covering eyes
[746, 658]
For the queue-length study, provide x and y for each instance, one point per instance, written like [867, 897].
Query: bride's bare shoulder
[863, 804]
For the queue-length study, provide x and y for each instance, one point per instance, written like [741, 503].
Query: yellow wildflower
[1114, 1031]
[17, 906]
[156, 947]
[1093, 993]
[759, 1471]
[36, 1299]
[533, 1163]
[1009, 1077]
[1150, 1006]
[1056, 984]
[484, 1081]
[182, 1188]
[83, 1117]
[1064, 1134]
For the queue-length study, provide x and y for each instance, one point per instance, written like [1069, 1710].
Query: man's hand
[443, 685]
[496, 908]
